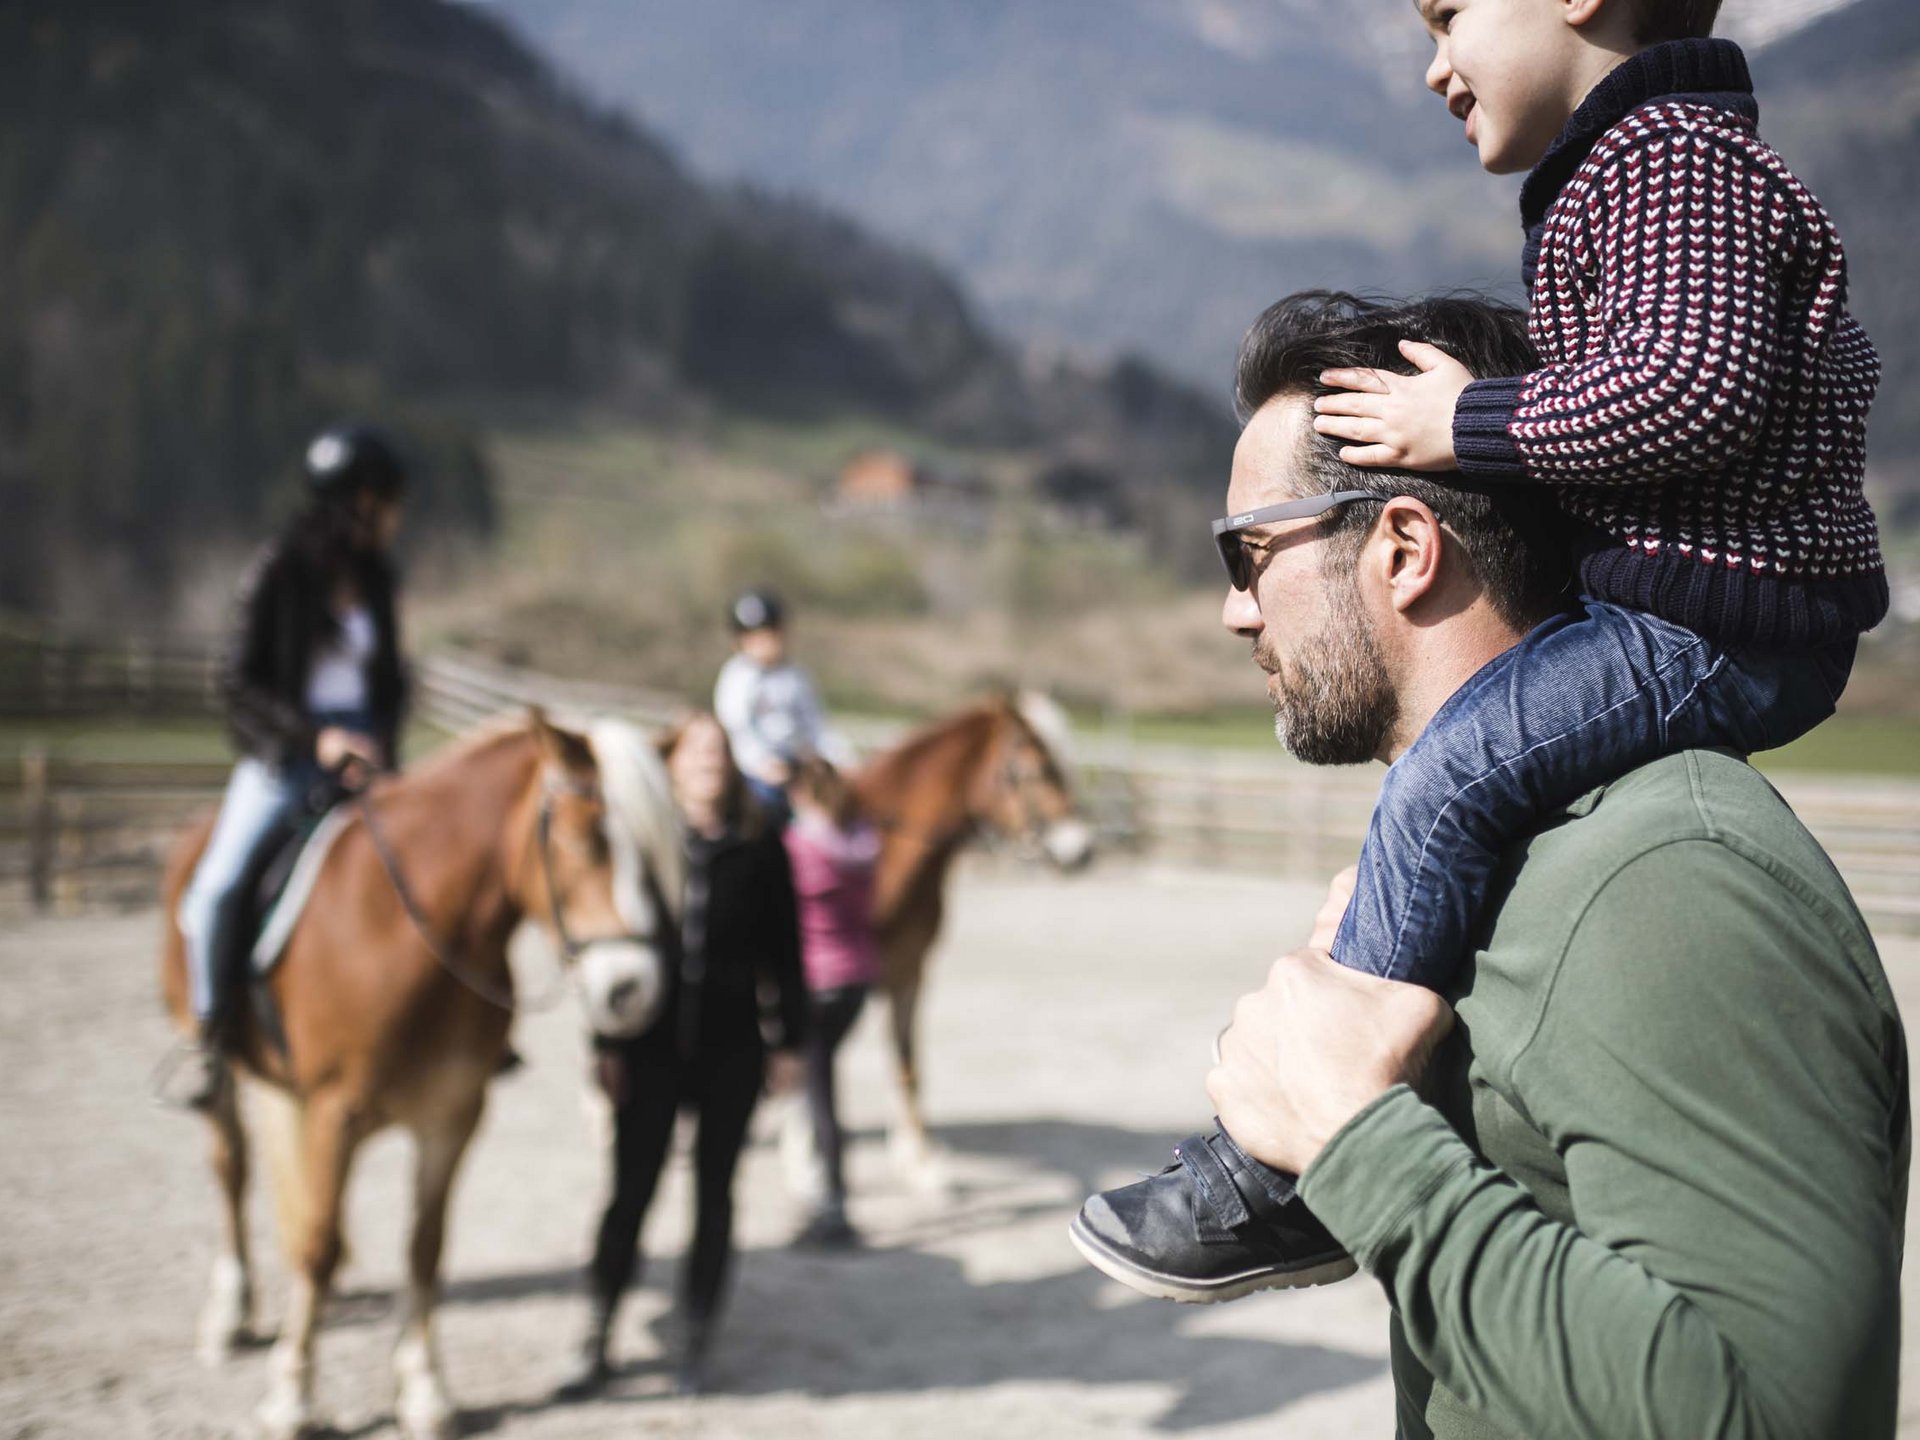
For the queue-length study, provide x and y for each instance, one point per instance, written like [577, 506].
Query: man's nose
[1440, 70]
[1240, 612]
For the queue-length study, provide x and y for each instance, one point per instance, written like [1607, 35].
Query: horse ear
[564, 748]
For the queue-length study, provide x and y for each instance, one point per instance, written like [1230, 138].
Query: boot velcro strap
[1220, 1208]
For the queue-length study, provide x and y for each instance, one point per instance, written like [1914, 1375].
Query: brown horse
[1000, 766]
[395, 999]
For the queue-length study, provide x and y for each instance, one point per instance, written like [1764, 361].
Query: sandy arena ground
[1068, 1027]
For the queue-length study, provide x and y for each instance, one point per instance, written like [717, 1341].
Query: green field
[1847, 744]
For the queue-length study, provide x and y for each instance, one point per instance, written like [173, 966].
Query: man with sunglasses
[1659, 1184]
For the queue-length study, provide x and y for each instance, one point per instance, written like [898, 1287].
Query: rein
[501, 998]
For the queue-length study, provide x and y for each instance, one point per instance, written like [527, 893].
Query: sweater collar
[1713, 72]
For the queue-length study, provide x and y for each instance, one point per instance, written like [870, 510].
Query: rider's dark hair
[1514, 536]
[325, 537]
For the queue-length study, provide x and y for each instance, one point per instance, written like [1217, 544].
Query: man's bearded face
[1332, 701]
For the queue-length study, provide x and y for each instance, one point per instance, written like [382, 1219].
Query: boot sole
[1161, 1286]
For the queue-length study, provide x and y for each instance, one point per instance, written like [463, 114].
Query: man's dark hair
[1515, 536]
[1658, 20]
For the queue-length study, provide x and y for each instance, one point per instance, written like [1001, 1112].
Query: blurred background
[923, 314]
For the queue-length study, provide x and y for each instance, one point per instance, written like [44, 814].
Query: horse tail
[640, 810]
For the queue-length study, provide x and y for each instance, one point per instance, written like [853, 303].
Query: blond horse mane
[642, 823]
[1048, 721]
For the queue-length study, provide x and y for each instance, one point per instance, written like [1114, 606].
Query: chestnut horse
[395, 997]
[1000, 766]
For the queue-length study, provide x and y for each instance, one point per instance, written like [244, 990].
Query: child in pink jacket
[833, 853]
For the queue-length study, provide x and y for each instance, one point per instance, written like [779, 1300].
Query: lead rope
[494, 995]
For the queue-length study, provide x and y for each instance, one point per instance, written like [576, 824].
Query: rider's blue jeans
[1580, 701]
[260, 798]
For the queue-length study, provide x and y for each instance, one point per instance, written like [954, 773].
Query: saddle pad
[277, 929]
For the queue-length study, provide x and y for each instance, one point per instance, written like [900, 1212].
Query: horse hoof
[217, 1346]
[427, 1420]
[282, 1417]
[422, 1411]
[223, 1328]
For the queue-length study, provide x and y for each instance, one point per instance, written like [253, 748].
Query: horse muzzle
[622, 985]
[1068, 843]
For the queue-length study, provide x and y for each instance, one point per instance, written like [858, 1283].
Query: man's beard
[1332, 703]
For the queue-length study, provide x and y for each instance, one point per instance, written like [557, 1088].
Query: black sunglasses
[1226, 530]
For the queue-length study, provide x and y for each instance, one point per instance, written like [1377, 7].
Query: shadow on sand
[896, 1318]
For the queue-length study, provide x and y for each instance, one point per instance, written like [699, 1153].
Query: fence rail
[79, 832]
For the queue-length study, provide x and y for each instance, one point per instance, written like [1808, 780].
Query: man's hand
[1402, 421]
[1312, 1049]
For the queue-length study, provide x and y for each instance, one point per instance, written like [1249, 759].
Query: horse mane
[495, 730]
[931, 736]
[1048, 721]
[642, 824]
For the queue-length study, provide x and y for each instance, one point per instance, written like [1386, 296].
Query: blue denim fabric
[1580, 701]
[259, 799]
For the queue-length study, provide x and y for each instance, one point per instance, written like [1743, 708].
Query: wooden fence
[49, 678]
[75, 833]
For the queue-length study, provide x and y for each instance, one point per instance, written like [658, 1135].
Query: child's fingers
[1370, 380]
[1349, 402]
[1351, 427]
[1365, 455]
[1426, 357]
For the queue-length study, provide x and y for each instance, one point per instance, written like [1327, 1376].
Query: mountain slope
[224, 220]
[1842, 101]
[1149, 173]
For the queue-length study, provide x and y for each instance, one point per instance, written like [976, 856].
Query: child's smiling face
[1511, 70]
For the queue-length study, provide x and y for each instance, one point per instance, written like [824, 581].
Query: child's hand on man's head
[1401, 421]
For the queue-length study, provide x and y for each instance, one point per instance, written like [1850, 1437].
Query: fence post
[36, 794]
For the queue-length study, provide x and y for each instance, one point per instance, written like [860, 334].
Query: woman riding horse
[313, 686]
[394, 997]
[707, 1053]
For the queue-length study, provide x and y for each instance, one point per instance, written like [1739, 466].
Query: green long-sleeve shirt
[1661, 1188]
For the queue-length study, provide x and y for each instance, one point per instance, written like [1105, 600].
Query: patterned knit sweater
[1703, 396]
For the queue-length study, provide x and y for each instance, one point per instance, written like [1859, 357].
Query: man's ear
[1412, 542]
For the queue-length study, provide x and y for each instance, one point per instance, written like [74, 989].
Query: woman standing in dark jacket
[740, 949]
[313, 685]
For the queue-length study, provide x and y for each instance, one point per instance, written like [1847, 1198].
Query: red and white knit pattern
[1705, 391]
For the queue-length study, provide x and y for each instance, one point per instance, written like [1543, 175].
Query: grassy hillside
[223, 221]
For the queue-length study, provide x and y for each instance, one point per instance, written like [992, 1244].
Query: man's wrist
[1379, 1169]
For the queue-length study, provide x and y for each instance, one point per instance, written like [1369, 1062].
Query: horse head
[1027, 787]
[594, 883]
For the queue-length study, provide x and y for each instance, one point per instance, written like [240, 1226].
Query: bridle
[1009, 779]
[552, 787]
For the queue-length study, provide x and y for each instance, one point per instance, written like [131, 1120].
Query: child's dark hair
[817, 780]
[1658, 20]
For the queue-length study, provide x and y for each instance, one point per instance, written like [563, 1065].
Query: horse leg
[421, 1405]
[908, 1142]
[225, 1320]
[330, 1132]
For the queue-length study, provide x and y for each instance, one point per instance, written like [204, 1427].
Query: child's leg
[1578, 702]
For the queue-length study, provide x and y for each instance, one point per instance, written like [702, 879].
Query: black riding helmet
[344, 460]
[756, 610]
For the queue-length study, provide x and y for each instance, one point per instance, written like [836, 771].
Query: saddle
[267, 904]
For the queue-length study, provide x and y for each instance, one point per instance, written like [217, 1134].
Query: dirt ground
[1068, 1026]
